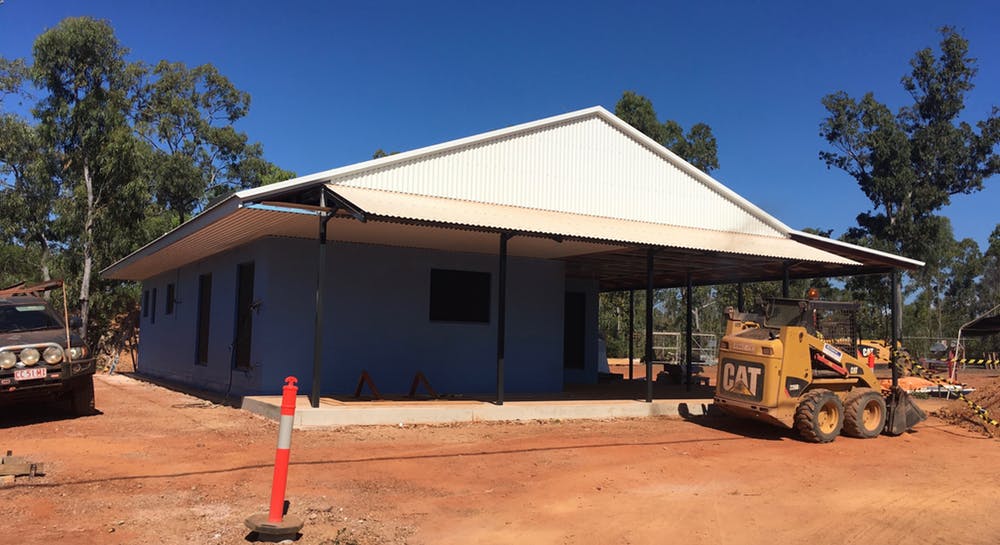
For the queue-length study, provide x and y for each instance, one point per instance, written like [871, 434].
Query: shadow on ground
[711, 417]
[37, 412]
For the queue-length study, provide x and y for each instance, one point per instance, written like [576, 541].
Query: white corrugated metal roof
[387, 204]
[585, 174]
[454, 225]
[584, 162]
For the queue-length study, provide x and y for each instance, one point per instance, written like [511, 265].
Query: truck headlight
[52, 355]
[77, 352]
[30, 356]
[7, 359]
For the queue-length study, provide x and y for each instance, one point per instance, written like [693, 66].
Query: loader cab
[834, 321]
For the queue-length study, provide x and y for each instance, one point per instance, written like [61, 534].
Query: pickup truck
[40, 358]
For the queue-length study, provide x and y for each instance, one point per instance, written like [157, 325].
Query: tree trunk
[88, 251]
[44, 265]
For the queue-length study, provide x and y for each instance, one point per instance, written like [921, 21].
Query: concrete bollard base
[287, 528]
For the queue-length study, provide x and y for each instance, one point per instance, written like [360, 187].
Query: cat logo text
[744, 379]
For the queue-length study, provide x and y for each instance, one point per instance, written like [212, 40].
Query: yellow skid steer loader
[800, 366]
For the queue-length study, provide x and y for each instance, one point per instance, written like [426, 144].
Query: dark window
[152, 310]
[244, 314]
[204, 315]
[145, 304]
[460, 296]
[171, 295]
[574, 330]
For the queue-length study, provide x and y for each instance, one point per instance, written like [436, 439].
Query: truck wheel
[82, 397]
[819, 416]
[864, 414]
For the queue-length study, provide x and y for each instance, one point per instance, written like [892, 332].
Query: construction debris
[987, 398]
[918, 385]
[18, 466]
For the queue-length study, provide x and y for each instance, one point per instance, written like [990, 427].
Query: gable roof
[583, 164]
[586, 162]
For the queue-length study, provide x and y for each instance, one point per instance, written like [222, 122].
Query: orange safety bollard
[274, 524]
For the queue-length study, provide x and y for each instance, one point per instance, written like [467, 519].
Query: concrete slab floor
[349, 411]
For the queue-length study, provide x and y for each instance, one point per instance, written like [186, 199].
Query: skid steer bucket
[902, 412]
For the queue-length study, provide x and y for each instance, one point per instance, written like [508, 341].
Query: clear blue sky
[333, 81]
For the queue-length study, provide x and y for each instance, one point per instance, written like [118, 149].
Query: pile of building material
[17, 466]
[918, 385]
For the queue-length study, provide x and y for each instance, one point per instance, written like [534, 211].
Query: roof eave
[212, 214]
[896, 261]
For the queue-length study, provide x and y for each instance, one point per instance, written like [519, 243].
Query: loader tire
[864, 414]
[819, 416]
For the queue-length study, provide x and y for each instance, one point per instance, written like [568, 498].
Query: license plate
[29, 374]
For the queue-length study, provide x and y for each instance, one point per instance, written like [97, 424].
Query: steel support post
[784, 281]
[318, 322]
[501, 313]
[649, 326]
[631, 331]
[689, 355]
[740, 298]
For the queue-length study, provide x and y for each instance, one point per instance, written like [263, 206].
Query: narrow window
[145, 304]
[459, 296]
[152, 311]
[244, 315]
[170, 300]
[204, 315]
[574, 330]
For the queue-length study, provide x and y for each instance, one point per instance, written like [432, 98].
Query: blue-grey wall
[375, 319]
[587, 375]
[167, 346]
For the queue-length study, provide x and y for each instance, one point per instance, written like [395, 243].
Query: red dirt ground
[159, 466]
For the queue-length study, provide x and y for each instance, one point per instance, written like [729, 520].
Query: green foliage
[186, 115]
[117, 154]
[17, 264]
[988, 289]
[83, 123]
[29, 194]
[13, 72]
[613, 321]
[697, 147]
[910, 163]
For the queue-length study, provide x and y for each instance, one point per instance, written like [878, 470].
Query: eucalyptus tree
[989, 284]
[26, 194]
[187, 116]
[910, 163]
[697, 147]
[83, 115]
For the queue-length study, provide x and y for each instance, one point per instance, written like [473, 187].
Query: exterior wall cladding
[376, 318]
